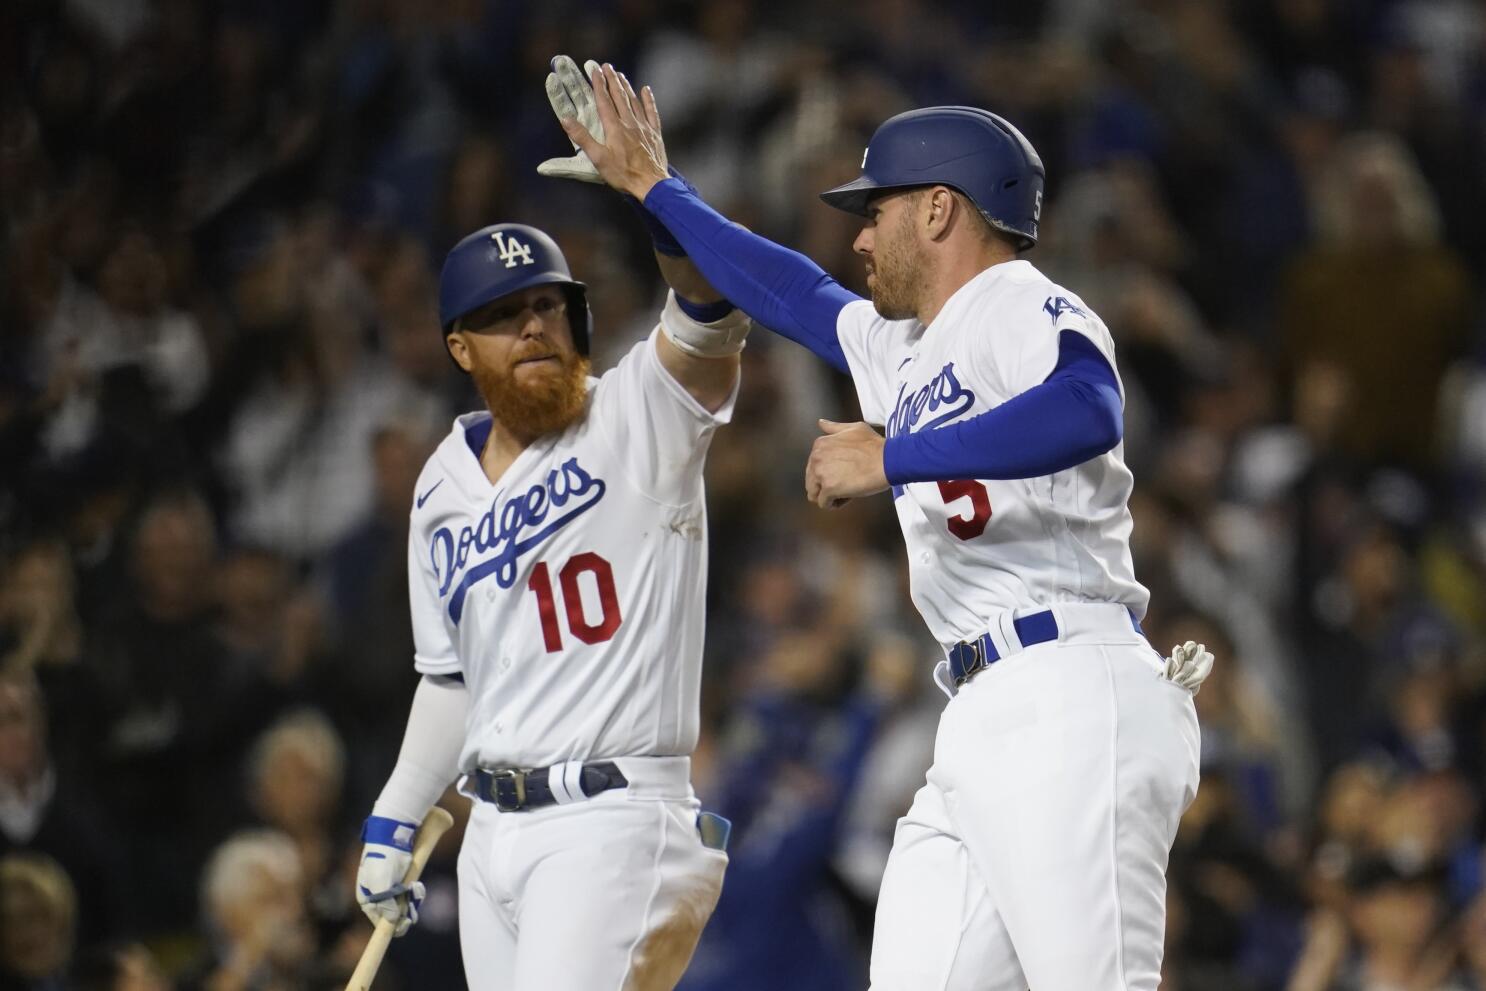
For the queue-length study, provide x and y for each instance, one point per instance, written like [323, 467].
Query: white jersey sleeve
[433, 651]
[1026, 358]
[874, 348]
[662, 430]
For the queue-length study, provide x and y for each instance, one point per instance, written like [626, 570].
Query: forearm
[781, 289]
[1071, 417]
[429, 759]
[682, 275]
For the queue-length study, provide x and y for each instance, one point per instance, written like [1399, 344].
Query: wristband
[704, 312]
[714, 339]
[389, 832]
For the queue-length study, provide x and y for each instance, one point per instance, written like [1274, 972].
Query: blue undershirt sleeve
[781, 289]
[1071, 416]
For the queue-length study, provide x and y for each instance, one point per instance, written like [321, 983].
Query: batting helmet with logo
[965, 148]
[501, 259]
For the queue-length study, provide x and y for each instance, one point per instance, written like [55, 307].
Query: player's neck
[949, 273]
[502, 447]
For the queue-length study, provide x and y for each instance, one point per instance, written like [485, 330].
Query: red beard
[543, 404]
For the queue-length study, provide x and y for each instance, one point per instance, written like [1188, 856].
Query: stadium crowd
[221, 369]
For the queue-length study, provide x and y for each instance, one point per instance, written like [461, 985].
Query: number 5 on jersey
[572, 599]
[967, 527]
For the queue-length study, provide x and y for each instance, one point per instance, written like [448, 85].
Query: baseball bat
[435, 826]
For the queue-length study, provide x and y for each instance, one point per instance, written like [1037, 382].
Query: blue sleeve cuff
[900, 459]
[660, 235]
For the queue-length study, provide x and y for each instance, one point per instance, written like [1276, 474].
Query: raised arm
[780, 288]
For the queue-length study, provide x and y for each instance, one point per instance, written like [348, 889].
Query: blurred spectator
[785, 769]
[117, 967]
[1384, 935]
[296, 772]
[128, 323]
[42, 635]
[38, 909]
[41, 811]
[180, 711]
[1380, 297]
[37, 613]
[253, 902]
[297, 450]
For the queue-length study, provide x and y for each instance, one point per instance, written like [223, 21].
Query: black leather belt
[516, 790]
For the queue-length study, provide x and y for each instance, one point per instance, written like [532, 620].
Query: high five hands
[615, 130]
[845, 463]
[616, 133]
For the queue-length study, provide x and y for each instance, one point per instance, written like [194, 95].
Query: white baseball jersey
[980, 546]
[569, 593]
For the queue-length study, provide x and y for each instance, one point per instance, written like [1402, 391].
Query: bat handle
[434, 827]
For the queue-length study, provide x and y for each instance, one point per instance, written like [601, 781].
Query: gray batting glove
[384, 863]
[1189, 665]
[571, 96]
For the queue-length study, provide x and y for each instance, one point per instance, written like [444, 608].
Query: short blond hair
[308, 732]
[232, 864]
[44, 878]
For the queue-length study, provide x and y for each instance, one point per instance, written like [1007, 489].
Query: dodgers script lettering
[507, 531]
[943, 392]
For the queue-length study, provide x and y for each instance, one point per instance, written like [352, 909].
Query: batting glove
[571, 96]
[384, 862]
[1189, 665]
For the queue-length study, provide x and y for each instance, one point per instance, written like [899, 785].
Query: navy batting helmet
[501, 259]
[964, 148]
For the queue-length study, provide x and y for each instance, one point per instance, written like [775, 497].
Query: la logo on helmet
[511, 249]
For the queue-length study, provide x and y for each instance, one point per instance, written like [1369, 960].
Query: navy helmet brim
[853, 196]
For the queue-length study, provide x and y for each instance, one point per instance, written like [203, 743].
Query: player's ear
[939, 207]
[459, 349]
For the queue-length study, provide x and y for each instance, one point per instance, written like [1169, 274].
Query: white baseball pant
[1035, 855]
[609, 893]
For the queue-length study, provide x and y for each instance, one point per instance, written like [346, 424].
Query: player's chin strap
[716, 339]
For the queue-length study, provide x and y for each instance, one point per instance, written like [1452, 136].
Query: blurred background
[221, 370]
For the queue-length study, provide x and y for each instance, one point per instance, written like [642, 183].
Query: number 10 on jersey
[572, 599]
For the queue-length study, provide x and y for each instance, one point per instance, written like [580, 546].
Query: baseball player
[557, 567]
[1035, 854]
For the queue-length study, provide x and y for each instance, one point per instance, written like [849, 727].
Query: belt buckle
[518, 789]
[968, 667]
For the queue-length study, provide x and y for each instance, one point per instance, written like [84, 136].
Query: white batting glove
[1189, 665]
[571, 96]
[384, 862]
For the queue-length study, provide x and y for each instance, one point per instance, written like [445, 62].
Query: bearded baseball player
[557, 567]
[1035, 854]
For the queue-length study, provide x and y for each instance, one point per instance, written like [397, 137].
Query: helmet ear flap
[580, 317]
